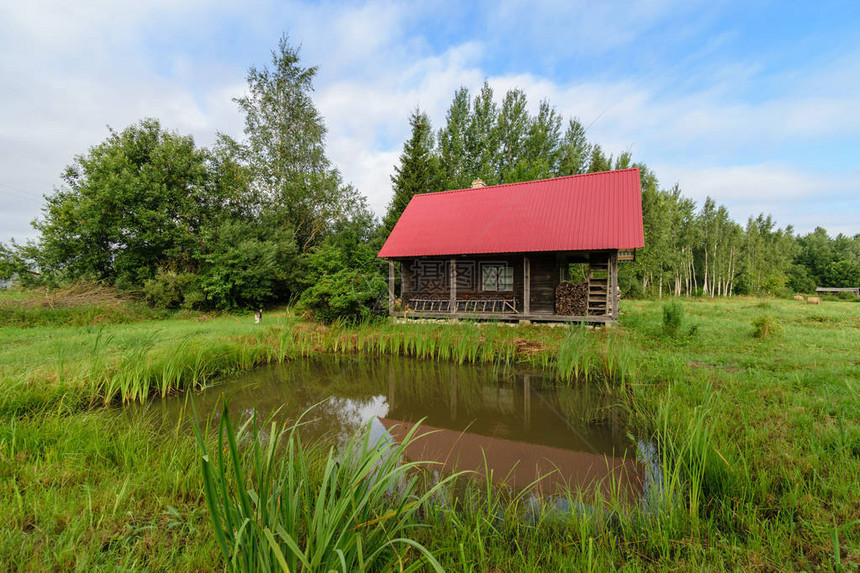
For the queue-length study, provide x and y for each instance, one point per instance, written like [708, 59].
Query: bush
[346, 295]
[249, 264]
[673, 318]
[765, 326]
[170, 289]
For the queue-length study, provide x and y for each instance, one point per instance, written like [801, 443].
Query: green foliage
[765, 326]
[8, 264]
[169, 289]
[800, 279]
[249, 264]
[273, 506]
[346, 249]
[347, 295]
[829, 262]
[842, 274]
[503, 143]
[128, 205]
[290, 175]
[418, 171]
[673, 318]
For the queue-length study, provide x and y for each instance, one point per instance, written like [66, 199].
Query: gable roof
[576, 213]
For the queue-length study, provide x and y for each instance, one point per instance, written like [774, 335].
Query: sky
[754, 103]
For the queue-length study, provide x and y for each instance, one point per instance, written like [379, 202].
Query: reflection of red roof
[517, 464]
[577, 213]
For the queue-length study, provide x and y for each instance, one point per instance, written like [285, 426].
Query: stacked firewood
[571, 298]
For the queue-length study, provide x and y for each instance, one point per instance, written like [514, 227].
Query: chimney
[478, 184]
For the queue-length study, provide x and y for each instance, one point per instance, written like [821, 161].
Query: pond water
[518, 421]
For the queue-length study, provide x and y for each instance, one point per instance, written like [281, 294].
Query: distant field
[765, 431]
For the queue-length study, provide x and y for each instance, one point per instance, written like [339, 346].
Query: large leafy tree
[133, 203]
[285, 150]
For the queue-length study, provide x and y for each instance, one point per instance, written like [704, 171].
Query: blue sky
[754, 103]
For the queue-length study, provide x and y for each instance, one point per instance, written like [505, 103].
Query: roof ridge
[434, 193]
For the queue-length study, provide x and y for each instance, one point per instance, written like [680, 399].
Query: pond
[516, 423]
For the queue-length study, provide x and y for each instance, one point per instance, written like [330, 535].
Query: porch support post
[452, 280]
[527, 285]
[390, 288]
[613, 284]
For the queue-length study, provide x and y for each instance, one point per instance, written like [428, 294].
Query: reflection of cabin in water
[500, 252]
[517, 433]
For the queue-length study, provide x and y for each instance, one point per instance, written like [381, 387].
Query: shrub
[765, 326]
[170, 289]
[673, 318]
[346, 295]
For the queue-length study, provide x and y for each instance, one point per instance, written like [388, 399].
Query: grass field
[760, 435]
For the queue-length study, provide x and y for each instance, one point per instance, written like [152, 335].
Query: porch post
[613, 284]
[452, 303]
[390, 288]
[527, 285]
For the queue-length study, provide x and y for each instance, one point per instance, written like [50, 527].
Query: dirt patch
[526, 346]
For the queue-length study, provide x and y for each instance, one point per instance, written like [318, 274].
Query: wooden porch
[527, 293]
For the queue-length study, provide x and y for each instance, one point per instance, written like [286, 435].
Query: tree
[285, 150]
[481, 137]
[842, 274]
[452, 142]
[131, 204]
[512, 132]
[8, 263]
[598, 161]
[543, 151]
[418, 171]
[248, 264]
[575, 150]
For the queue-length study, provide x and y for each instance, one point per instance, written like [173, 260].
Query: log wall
[430, 277]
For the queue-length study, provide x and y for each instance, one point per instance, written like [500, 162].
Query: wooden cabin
[501, 252]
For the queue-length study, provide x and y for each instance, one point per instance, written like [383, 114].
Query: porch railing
[471, 305]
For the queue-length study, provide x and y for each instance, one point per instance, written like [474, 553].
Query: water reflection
[474, 417]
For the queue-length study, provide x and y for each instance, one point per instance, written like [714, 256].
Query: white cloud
[793, 196]
[69, 69]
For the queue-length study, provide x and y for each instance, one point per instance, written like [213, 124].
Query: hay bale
[798, 297]
[571, 298]
[813, 300]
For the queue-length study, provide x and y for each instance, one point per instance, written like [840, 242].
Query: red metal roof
[576, 213]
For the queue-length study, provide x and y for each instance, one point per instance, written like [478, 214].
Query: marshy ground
[759, 436]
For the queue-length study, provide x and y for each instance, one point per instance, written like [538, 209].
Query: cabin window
[497, 277]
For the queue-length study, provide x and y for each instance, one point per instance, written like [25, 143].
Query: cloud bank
[670, 82]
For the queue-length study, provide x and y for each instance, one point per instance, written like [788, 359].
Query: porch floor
[532, 316]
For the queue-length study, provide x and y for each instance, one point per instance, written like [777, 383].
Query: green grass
[759, 437]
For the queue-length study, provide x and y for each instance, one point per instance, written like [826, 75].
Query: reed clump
[277, 504]
[152, 364]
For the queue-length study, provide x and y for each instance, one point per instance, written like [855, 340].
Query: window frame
[501, 280]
